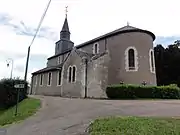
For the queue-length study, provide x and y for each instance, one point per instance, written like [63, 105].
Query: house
[124, 55]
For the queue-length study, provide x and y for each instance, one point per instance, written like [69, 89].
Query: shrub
[136, 91]
[8, 94]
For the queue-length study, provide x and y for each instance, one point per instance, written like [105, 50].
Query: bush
[8, 94]
[134, 91]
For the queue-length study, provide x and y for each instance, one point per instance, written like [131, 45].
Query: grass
[26, 108]
[135, 126]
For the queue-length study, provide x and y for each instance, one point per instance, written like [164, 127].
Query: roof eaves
[115, 33]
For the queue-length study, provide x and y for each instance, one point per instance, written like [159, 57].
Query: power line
[41, 20]
[37, 30]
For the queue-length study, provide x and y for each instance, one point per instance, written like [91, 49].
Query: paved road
[62, 116]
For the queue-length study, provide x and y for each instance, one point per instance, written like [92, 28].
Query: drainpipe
[85, 88]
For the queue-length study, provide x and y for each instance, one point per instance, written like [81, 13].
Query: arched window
[49, 80]
[131, 59]
[151, 61]
[74, 74]
[59, 77]
[69, 74]
[95, 48]
[41, 79]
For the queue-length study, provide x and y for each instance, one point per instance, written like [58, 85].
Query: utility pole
[28, 54]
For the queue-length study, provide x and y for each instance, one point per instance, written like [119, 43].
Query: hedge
[122, 91]
[8, 94]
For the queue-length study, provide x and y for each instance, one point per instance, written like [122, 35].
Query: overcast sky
[87, 19]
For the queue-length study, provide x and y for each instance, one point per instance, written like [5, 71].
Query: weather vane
[66, 11]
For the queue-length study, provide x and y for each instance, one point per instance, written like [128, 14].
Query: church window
[36, 79]
[131, 59]
[74, 74]
[96, 48]
[151, 61]
[69, 74]
[59, 78]
[49, 79]
[41, 80]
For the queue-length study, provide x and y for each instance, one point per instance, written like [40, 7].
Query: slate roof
[124, 29]
[84, 54]
[65, 27]
[66, 51]
[46, 69]
[99, 55]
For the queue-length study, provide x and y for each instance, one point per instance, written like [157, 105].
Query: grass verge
[26, 108]
[135, 126]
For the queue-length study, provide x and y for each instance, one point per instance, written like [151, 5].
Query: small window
[59, 60]
[131, 59]
[36, 79]
[151, 61]
[96, 48]
[41, 80]
[59, 78]
[69, 74]
[74, 74]
[49, 79]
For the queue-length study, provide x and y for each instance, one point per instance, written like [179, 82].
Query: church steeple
[65, 33]
[64, 43]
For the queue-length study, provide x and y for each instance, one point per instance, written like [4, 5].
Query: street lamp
[10, 61]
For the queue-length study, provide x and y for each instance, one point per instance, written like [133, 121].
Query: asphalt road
[63, 116]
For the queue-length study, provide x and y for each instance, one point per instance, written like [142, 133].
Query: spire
[65, 33]
[65, 27]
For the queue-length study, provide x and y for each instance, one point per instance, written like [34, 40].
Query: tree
[167, 62]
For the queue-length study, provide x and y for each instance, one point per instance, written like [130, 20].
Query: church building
[124, 55]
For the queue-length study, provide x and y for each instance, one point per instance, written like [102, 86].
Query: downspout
[85, 88]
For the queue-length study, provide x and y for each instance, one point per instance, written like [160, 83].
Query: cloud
[166, 40]
[87, 20]
[21, 28]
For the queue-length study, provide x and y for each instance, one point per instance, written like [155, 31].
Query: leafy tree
[167, 62]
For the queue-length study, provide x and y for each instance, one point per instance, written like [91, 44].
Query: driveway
[63, 116]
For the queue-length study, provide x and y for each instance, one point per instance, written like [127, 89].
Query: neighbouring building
[122, 56]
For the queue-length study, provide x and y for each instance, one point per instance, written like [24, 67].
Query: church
[124, 55]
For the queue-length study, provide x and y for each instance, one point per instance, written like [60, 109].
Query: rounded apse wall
[131, 58]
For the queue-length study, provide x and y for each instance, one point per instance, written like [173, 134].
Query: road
[63, 116]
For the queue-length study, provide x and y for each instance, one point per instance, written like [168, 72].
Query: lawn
[135, 126]
[26, 108]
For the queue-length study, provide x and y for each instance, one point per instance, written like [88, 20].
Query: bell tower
[64, 43]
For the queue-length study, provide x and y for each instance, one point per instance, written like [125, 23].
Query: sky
[87, 19]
